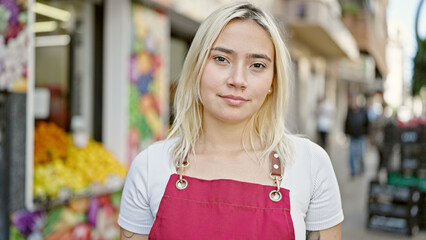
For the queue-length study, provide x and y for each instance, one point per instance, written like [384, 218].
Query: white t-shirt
[314, 192]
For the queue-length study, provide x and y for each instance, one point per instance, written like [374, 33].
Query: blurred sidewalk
[355, 191]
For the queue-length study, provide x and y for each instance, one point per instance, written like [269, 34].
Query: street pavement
[354, 192]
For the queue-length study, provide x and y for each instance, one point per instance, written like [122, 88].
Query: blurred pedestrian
[377, 137]
[325, 118]
[356, 128]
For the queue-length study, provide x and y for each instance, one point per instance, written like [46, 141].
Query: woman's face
[238, 73]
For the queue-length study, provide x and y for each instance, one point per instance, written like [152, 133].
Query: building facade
[366, 20]
[317, 38]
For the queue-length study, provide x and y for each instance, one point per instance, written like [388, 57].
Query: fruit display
[93, 163]
[51, 142]
[62, 170]
[81, 219]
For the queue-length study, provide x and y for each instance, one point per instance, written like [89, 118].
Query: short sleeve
[135, 214]
[325, 207]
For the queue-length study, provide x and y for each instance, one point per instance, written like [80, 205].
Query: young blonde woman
[229, 169]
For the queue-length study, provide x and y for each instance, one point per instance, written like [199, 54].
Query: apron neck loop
[276, 175]
[181, 183]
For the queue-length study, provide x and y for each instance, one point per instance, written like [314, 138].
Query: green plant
[419, 75]
[350, 8]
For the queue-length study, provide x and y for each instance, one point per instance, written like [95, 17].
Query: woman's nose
[237, 77]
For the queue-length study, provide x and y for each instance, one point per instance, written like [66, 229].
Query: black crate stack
[393, 209]
[413, 162]
[399, 206]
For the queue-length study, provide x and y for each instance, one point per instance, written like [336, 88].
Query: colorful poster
[148, 78]
[13, 45]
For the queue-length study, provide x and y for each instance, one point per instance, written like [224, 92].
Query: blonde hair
[268, 122]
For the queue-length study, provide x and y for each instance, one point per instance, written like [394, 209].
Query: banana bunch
[51, 177]
[76, 171]
[93, 163]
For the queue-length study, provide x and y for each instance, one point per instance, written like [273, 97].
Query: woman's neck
[226, 138]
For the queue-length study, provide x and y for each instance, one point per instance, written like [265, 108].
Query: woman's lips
[233, 100]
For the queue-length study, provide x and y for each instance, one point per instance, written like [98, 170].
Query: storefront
[14, 71]
[97, 82]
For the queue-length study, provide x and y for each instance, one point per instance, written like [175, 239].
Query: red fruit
[81, 232]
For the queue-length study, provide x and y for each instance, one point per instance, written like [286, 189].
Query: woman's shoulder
[301, 143]
[305, 150]
[158, 153]
[161, 146]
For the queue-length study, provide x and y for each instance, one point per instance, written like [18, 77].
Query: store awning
[318, 25]
[330, 44]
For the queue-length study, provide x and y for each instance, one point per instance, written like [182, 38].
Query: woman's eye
[220, 59]
[259, 65]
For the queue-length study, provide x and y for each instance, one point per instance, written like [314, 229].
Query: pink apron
[193, 208]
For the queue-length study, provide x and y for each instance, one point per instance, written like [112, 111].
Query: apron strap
[181, 183]
[275, 164]
[276, 175]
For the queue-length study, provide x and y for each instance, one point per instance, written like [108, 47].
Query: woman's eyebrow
[259, 55]
[250, 55]
[222, 49]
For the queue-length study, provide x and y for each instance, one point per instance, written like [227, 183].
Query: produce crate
[394, 209]
[412, 150]
[411, 134]
[382, 193]
[405, 149]
[413, 158]
[397, 179]
[396, 225]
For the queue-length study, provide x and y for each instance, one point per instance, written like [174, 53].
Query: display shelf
[71, 165]
[112, 184]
